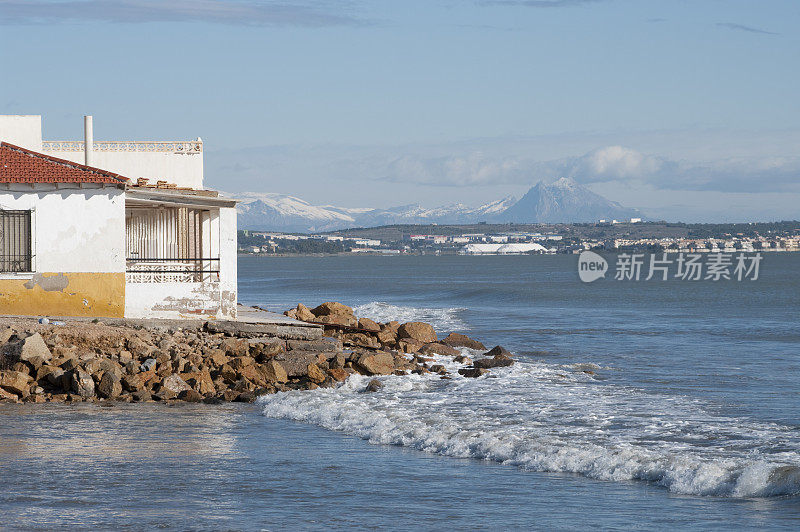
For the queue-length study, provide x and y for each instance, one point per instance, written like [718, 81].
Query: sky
[685, 109]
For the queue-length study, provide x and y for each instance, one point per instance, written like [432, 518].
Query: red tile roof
[19, 165]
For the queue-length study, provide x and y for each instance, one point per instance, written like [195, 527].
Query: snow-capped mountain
[562, 201]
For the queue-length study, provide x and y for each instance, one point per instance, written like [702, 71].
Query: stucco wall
[185, 170]
[22, 130]
[78, 252]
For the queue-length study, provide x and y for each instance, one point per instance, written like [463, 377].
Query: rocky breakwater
[412, 345]
[218, 362]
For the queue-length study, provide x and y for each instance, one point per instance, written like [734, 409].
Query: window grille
[15, 241]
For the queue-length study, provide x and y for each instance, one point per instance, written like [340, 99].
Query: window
[169, 244]
[15, 241]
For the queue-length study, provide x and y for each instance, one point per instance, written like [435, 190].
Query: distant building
[115, 229]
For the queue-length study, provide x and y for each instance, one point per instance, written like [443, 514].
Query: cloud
[232, 12]
[603, 165]
[741, 27]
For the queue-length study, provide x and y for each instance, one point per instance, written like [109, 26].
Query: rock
[487, 363]
[15, 382]
[132, 383]
[368, 324]
[387, 337]
[417, 330]
[302, 313]
[338, 374]
[149, 364]
[212, 401]
[338, 319]
[296, 364]
[240, 363]
[141, 396]
[6, 334]
[291, 313]
[438, 368]
[174, 384]
[461, 359]
[439, 349]
[473, 373]
[462, 340]
[235, 347]
[110, 386]
[373, 386]
[338, 361]
[331, 308]
[315, 374]
[264, 348]
[81, 383]
[409, 345]
[202, 382]
[245, 397]
[218, 357]
[380, 363]
[8, 396]
[32, 347]
[273, 371]
[498, 352]
[190, 396]
[45, 371]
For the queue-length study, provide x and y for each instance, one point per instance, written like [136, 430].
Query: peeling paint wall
[78, 252]
[211, 299]
[65, 294]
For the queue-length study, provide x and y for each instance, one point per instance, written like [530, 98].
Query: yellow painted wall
[65, 294]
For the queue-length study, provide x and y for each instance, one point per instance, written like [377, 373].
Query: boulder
[217, 357]
[488, 363]
[315, 374]
[498, 352]
[175, 384]
[409, 345]
[6, 334]
[148, 365]
[439, 349]
[264, 348]
[461, 359]
[338, 374]
[273, 371]
[15, 382]
[380, 363]
[141, 396]
[235, 347]
[346, 320]
[110, 386]
[324, 345]
[132, 383]
[417, 330]
[302, 313]
[331, 308]
[33, 347]
[190, 396]
[368, 324]
[8, 396]
[473, 373]
[462, 340]
[81, 383]
[296, 363]
[373, 386]
[240, 363]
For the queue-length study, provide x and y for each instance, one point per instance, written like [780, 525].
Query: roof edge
[121, 179]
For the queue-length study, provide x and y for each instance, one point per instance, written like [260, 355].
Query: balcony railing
[189, 147]
[155, 270]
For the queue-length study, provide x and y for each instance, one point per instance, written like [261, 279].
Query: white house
[115, 229]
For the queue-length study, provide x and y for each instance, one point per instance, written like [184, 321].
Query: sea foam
[442, 319]
[551, 418]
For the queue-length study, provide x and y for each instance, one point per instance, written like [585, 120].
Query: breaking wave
[552, 418]
[442, 319]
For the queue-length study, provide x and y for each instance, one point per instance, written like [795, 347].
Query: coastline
[218, 362]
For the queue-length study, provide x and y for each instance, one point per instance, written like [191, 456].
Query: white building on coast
[111, 228]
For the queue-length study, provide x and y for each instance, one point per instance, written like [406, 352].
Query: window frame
[31, 212]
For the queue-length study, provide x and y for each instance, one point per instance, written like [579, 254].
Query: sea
[634, 404]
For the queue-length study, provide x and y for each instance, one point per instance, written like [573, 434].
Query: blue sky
[686, 109]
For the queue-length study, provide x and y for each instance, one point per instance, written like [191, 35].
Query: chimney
[88, 140]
